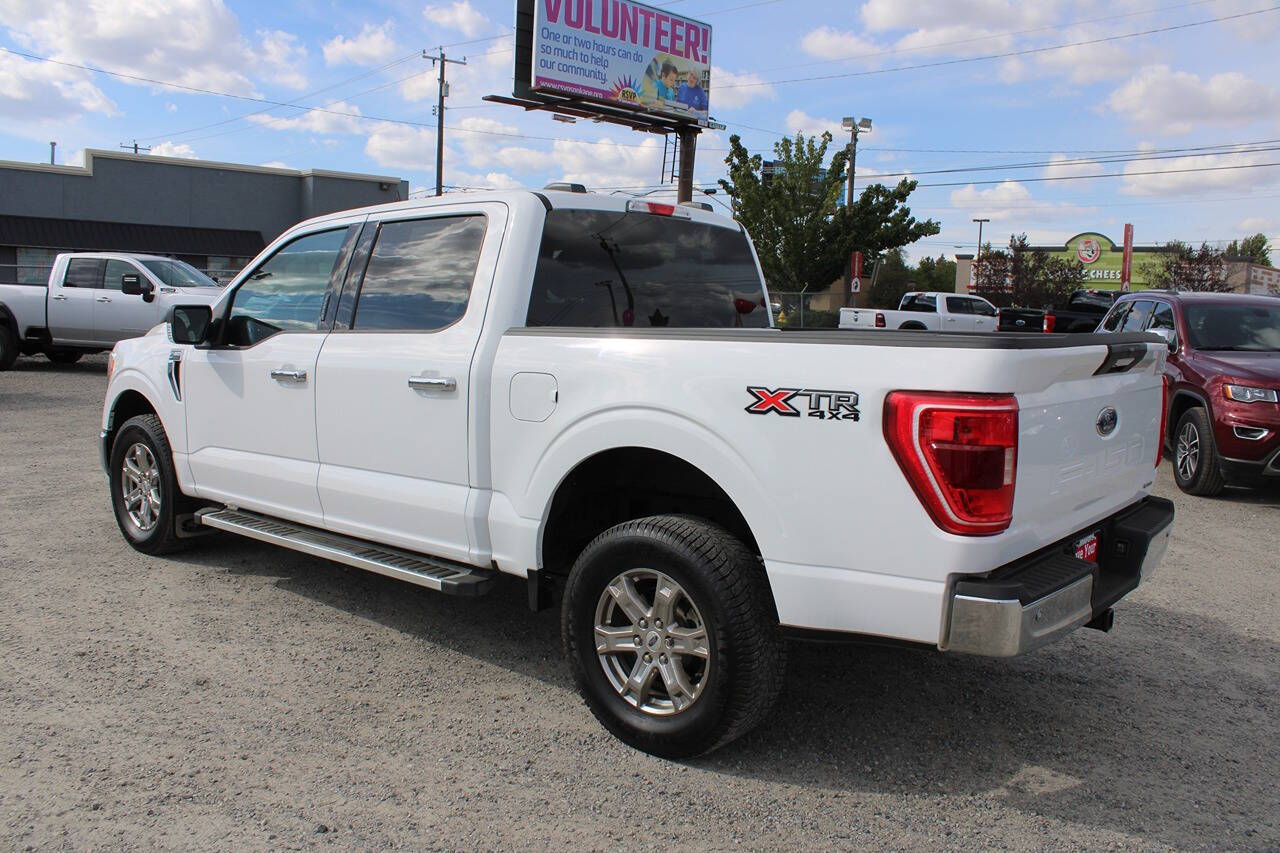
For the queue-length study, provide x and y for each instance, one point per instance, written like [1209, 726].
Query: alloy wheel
[140, 487]
[1187, 457]
[652, 642]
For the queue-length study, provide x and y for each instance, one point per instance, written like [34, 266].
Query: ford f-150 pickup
[586, 393]
[93, 300]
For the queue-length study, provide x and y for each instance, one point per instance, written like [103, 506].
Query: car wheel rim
[140, 487]
[1188, 455]
[652, 642]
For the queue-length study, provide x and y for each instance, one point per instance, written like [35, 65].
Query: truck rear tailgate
[1087, 443]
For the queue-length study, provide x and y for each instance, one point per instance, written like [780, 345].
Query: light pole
[980, 221]
[862, 125]
[855, 127]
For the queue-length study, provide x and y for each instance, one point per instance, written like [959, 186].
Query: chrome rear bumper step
[431, 572]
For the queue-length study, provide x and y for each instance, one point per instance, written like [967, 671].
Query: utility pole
[441, 60]
[135, 146]
[855, 127]
[980, 221]
[53, 146]
[688, 147]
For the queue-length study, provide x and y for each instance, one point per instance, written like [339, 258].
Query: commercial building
[1102, 259]
[215, 216]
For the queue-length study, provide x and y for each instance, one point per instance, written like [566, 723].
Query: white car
[585, 393]
[939, 312]
[91, 301]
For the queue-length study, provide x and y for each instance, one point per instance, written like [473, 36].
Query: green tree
[1023, 277]
[1256, 249]
[802, 236]
[893, 279]
[1186, 268]
[936, 274]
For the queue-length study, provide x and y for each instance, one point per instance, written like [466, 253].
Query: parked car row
[93, 300]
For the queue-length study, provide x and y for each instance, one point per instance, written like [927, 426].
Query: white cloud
[997, 15]
[1089, 63]
[609, 164]
[276, 164]
[192, 42]
[398, 146]
[1062, 166]
[830, 43]
[174, 149]
[1011, 201]
[314, 121]
[461, 16]
[284, 55]
[1256, 224]
[171, 107]
[487, 181]
[731, 90]
[1198, 174]
[1177, 101]
[372, 46]
[798, 121]
[39, 91]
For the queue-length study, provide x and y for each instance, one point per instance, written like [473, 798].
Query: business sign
[855, 267]
[623, 53]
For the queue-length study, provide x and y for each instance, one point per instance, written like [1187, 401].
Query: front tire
[672, 635]
[144, 488]
[8, 346]
[1196, 467]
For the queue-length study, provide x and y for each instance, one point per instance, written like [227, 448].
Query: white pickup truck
[93, 300]
[945, 312]
[586, 393]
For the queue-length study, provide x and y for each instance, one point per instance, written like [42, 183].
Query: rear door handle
[282, 375]
[59, 298]
[432, 383]
[104, 298]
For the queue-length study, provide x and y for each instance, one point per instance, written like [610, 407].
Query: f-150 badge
[824, 405]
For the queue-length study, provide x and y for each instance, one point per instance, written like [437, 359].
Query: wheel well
[625, 483]
[913, 325]
[129, 404]
[1181, 403]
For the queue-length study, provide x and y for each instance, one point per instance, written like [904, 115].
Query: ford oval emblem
[1108, 420]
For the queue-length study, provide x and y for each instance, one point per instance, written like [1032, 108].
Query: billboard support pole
[688, 148]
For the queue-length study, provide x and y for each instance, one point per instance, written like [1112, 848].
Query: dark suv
[1224, 375]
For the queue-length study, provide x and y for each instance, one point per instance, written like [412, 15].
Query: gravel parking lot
[245, 696]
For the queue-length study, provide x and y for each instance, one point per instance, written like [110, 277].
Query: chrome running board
[441, 575]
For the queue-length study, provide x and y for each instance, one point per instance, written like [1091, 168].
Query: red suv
[1224, 375]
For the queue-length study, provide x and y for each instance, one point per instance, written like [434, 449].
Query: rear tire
[63, 356]
[1196, 466]
[144, 488]
[699, 602]
[8, 346]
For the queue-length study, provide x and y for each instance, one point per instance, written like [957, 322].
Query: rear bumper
[1040, 598]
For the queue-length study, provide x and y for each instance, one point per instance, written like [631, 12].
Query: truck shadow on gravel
[1166, 729]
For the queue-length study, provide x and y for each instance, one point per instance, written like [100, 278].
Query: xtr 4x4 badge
[824, 405]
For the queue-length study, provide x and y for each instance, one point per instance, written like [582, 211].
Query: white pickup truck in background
[945, 312]
[93, 300]
[585, 392]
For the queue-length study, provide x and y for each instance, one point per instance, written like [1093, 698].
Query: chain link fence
[805, 311]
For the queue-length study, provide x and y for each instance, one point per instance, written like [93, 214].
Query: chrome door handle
[282, 375]
[104, 298]
[432, 383]
[59, 298]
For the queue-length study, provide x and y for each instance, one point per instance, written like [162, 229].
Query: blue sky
[1056, 112]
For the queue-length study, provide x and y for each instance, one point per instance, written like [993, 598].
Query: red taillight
[1164, 418]
[960, 455]
[1050, 322]
[660, 209]
[879, 320]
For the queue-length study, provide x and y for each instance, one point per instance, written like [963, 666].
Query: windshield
[1251, 328]
[605, 268]
[179, 274]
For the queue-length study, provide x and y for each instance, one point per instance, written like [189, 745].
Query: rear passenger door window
[1137, 317]
[84, 272]
[419, 274]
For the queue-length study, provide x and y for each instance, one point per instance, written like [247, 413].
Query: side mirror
[189, 324]
[132, 284]
[1170, 337]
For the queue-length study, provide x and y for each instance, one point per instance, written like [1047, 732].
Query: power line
[1005, 55]
[1107, 175]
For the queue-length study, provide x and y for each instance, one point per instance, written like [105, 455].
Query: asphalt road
[241, 696]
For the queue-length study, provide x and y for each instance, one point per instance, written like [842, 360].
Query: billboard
[623, 53]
